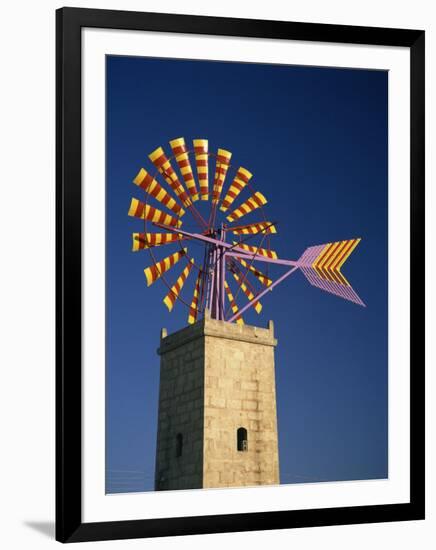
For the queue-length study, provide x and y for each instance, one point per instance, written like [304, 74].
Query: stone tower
[217, 423]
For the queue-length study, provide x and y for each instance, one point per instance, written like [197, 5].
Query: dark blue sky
[316, 141]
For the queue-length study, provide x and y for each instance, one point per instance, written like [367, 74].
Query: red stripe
[257, 200]
[139, 210]
[242, 176]
[179, 149]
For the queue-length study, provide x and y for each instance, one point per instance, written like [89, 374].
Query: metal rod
[223, 272]
[235, 250]
[268, 289]
[212, 283]
[239, 253]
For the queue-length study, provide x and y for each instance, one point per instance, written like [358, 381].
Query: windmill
[214, 226]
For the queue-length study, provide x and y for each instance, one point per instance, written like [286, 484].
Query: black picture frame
[69, 525]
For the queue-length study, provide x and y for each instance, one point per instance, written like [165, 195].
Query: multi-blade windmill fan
[231, 247]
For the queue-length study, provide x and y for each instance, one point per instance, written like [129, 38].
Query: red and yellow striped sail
[257, 305]
[173, 294]
[254, 228]
[154, 189]
[141, 241]
[154, 272]
[258, 274]
[255, 201]
[233, 305]
[193, 308]
[160, 160]
[222, 165]
[331, 258]
[257, 250]
[143, 211]
[201, 148]
[240, 180]
[182, 158]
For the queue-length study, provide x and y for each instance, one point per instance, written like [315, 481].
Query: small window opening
[179, 445]
[242, 439]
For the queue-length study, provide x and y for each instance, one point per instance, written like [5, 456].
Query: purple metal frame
[219, 251]
[215, 270]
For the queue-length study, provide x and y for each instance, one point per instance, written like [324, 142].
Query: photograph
[246, 274]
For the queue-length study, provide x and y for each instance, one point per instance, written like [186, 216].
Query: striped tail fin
[321, 265]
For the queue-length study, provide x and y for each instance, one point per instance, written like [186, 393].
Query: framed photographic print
[240, 274]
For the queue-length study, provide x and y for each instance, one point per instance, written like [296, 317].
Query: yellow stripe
[140, 176]
[356, 242]
[249, 294]
[168, 303]
[173, 294]
[156, 154]
[328, 255]
[200, 142]
[225, 154]
[135, 242]
[321, 254]
[177, 142]
[133, 206]
[334, 261]
[335, 254]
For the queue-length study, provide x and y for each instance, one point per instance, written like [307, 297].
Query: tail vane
[321, 265]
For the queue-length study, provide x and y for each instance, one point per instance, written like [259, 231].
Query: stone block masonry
[217, 378]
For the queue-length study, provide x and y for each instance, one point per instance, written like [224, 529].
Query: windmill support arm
[240, 253]
[268, 289]
[232, 250]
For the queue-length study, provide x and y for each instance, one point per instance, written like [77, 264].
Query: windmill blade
[233, 305]
[154, 272]
[240, 180]
[321, 265]
[257, 250]
[173, 294]
[252, 203]
[254, 228]
[180, 151]
[222, 165]
[144, 211]
[201, 148]
[257, 305]
[160, 160]
[141, 241]
[258, 274]
[193, 308]
[154, 189]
